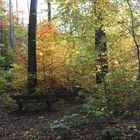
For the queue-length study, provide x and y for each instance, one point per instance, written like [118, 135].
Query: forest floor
[15, 125]
[21, 126]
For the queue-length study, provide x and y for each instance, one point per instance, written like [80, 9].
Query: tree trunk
[133, 34]
[49, 11]
[3, 45]
[32, 63]
[100, 44]
[11, 26]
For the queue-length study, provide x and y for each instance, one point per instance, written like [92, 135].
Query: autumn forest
[72, 74]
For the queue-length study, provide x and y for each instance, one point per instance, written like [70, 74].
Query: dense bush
[6, 89]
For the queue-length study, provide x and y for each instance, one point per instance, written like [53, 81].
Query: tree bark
[32, 63]
[49, 11]
[11, 26]
[133, 34]
[101, 47]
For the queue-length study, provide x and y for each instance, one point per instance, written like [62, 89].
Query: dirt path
[15, 126]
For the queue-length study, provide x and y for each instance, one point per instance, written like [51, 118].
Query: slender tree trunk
[1, 33]
[32, 63]
[3, 45]
[133, 34]
[11, 26]
[51, 79]
[101, 47]
[49, 11]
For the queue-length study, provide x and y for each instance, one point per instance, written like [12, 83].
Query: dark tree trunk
[100, 44]
[11, 26]
[3, 45]
[32, 64]
[49, 11]
[101, 47]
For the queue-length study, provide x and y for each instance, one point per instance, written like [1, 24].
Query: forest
[70, 70]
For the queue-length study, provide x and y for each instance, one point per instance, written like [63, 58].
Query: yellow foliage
[53, 57]
[20, 77]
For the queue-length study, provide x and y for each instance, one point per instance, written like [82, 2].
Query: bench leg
[48, 106]
[20, 106]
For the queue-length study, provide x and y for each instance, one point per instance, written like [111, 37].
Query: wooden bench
[22, 99]
[47, 98]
